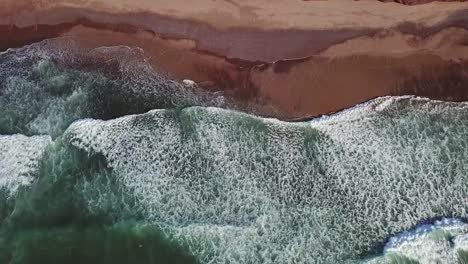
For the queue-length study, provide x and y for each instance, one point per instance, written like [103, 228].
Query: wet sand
[303, 59]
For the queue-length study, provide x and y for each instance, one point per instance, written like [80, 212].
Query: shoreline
[301, 72]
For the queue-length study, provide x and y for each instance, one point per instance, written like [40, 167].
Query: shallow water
[113, 181]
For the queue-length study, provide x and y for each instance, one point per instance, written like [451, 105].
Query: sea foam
[20, 158]
[242, 189]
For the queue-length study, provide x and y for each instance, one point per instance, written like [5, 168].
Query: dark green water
[51, 221]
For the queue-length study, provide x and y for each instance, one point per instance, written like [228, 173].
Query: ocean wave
[238, 188]
[74, 211]
[444, 241]
[48, 85]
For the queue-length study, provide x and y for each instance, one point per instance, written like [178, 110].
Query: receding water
[112, 181]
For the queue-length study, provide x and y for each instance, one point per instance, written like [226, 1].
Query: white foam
[19, 159]
[430, 243]
[241, 189]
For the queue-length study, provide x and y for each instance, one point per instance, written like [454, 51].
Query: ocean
[103, 159]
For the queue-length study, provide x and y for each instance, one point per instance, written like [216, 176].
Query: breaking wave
[269, 191]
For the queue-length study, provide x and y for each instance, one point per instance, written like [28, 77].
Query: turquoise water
[131, 167]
